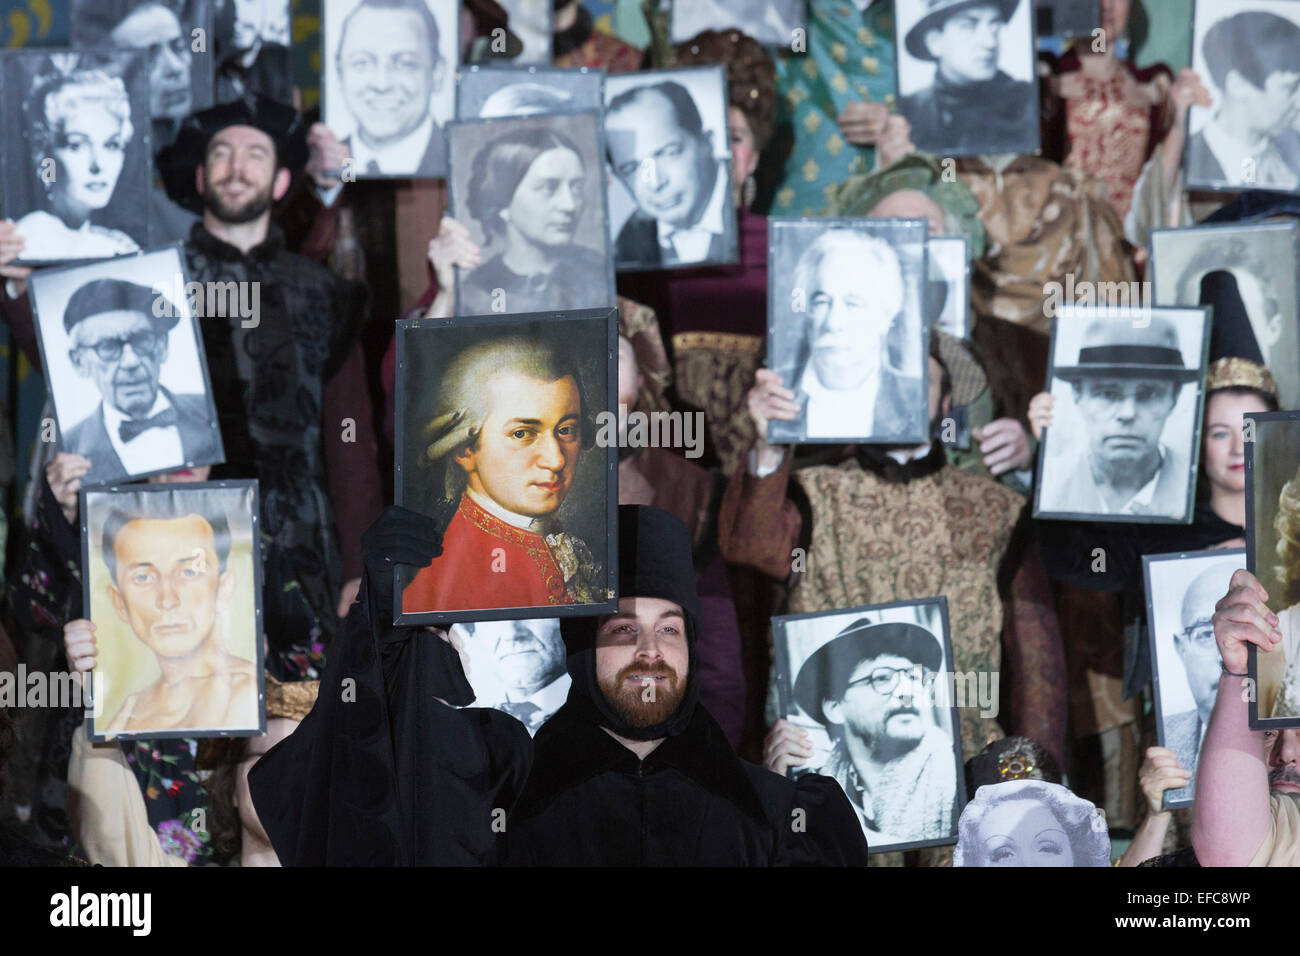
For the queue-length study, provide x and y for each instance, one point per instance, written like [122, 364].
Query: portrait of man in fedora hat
[1123, 380]
[872, 686]
[965, 86]
[111, 344]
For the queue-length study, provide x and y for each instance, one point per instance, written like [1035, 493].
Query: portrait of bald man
[388, 83]
[1182, 591]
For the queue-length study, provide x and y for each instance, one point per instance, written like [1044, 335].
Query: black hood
[654, 560]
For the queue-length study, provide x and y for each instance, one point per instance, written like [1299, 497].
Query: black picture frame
[790, 710]
[447, 15]
[22, 184]
[898, 233]
[1078, 316]
[1216, 245]
[1181, 797]
[476, 83]
[605, 474]
[1030, 145]
[248, 486]
[1261, 545]
[576, 125]
[614, 85]
[114, 268]
[1193, 182]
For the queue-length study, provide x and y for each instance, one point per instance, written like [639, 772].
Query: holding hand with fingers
[79, 643]
[769, 399]
[1040, 413]
[64, 474]
[1160, 771]
[451, 249]
[786, 746]
[1004, 445]
[1242, 618]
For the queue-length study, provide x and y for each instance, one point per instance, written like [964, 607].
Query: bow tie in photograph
[133, 427]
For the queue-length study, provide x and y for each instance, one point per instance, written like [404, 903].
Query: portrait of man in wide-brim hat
[1125, 383]
[973, 104]
[871, 686]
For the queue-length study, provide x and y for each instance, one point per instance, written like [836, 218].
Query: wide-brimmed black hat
[118, 295]
[941, 10]
[826, 672]
[1119, 348]
[284, 124]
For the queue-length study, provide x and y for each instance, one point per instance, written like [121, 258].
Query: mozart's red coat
[486, 563]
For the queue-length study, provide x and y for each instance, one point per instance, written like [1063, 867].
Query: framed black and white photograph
[506, 428]
[530, 22]
[1182, 590]
[671, 200]
[531, 191]
[871, 687]
[966, 75]
[1030, 822]
[173, 584]
[1244, 51]
[177, 39]
[846, 329]
[253, 49]
[125, 366]
[77, 178]
[1250, 274]
[1066, 18]
[388, 83]
[947, 297]
[770, 22]
[1125, 438]
[492, 92]
[516, 667]
[1273, 556]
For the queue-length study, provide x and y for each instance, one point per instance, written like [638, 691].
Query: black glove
[399, 536]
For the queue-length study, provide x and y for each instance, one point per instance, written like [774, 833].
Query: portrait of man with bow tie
[127, 340]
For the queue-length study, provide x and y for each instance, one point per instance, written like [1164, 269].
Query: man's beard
[254, 206]
[627, 701]
[1283, 774]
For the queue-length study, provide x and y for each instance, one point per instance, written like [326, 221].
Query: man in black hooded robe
[632, 770]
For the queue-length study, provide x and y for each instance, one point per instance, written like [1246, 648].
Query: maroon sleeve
[310, 227]
[722, 674]
[17, 314]
[352, 467]
[758, 524]
[1034, 656]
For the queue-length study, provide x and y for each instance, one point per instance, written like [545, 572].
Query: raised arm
[1232, 794]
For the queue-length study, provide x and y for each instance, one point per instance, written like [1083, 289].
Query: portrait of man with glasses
[879, 690]
[1182, 592]
[119, 337]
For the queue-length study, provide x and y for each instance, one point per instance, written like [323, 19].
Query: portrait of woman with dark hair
[78, 123]
[528, 190]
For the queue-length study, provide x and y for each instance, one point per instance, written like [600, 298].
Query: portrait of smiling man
[1125, 384]
[504, 429]
[972, 105]
[172, 583]
[391, 76]
[119, 342]
[661, 148]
